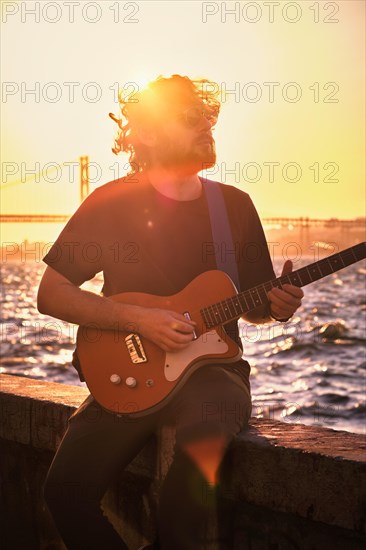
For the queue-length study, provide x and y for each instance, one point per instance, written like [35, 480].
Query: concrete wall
[294, 486]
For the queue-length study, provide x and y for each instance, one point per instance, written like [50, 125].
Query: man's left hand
[284, 302]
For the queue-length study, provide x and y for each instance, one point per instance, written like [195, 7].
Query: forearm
[58, 297]
[74, 305]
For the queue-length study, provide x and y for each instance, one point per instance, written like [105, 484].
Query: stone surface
[327, 485]
[35, 412]
[290, 486]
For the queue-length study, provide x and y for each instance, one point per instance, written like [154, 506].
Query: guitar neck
[243, 302]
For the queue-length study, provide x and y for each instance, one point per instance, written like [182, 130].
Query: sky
[291, 131]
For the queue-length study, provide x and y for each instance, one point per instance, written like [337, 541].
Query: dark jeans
[98, 445]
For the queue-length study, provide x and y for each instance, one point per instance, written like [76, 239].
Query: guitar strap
[221, 231]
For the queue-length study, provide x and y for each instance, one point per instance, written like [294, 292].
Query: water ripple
[311, 370]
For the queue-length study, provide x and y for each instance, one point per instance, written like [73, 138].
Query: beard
[200, 156]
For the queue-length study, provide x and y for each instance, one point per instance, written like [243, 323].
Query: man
[150, 231]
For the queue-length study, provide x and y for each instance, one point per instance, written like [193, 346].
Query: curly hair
[147, 107]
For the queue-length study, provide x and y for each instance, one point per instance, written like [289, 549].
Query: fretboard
[235, 306]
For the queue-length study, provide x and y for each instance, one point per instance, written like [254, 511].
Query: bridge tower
[84, 177]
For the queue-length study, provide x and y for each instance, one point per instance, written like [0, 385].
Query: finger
[286, 293]
[181, 328]
[287, 267]
[183, 319]
[280, 298]
[294, 290]
[183, 325]
[180, 337]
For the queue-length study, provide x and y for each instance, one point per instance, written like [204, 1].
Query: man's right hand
[169, 330]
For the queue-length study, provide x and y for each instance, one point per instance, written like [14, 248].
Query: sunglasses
[193, 116]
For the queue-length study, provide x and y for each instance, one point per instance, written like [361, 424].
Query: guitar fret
[210, 316]
[255, 297]
[349, 259]
[276, 283]
[207, 318]
[223, 310]
[249, 300]
[326, 266]
[204, 314]
[216, 314]
[236, 305]
[226, 309]
[243, 302]
[353, 252]
[263, 294]
[305, 276]
[285, 280]
[268, 286]
[335, 263]
[231, 309]
[359, 251]
[314, 272]
[295, 278]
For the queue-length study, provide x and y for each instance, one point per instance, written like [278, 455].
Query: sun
[142, 80]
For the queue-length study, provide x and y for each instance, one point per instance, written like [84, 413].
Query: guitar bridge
[135, 348]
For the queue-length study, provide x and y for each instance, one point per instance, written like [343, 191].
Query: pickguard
[208, 343]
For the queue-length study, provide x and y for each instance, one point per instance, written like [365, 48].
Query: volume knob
[131, 382]
[115, 379]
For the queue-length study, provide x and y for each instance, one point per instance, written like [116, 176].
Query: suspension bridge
[302, 223]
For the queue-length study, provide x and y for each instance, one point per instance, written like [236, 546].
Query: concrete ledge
[312, 472]
[35, 413]
[305, 472]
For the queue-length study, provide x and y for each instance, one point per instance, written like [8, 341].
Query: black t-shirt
[143, 241]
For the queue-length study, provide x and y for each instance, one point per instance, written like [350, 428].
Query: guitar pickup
[187, 316]
[135, 348]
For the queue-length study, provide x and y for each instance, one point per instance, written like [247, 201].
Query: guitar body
[128, 374]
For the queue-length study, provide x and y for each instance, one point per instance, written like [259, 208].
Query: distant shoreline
[296, 243]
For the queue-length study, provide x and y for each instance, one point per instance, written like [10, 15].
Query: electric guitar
[128, 374]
